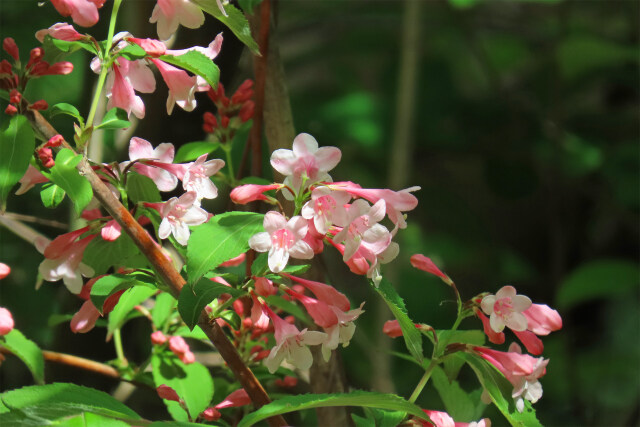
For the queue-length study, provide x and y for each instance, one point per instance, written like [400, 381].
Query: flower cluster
[327, 212]
[231, 113]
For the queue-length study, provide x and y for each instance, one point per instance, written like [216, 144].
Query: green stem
[232, 177]
[423, 381]
[105, 65]
[117, 342]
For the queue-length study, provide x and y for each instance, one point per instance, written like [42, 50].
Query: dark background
[524, 142]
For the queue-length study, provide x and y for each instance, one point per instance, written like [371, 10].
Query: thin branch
[36, 220]
[21, 230]
[165, 269]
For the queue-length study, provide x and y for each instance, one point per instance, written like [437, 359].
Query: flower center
[283, 238]
[503, 307]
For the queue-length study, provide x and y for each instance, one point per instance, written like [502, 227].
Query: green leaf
[225, 236]
[192, 382]
[606, 278]
[128, 300]
[382, 418]
[106, 286]
[456, 401]
[260, 265]
[17, 143]
[141, 188]
[102, 254]
[197, 333]
[162, 309]
[356, 398]
[68, 46]
[471, 336]
[236, 22]
[197, 63]
[247, 6]
[64, 108]
[232, 318]
[412, 337]
[192, 300]
[500, 391]
[27, 351]
[87, 419]
[56, 400]
[65, 175]
[51, 195]
[132, 52]
[192, 150]
[116, 118]
[174, 424]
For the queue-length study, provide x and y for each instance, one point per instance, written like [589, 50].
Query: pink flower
[306, 162]
[63, 258]
[494, 337]
[236, 398]
[171, 13]
[166, 392]
[319, 311]
[291, 344]
[181, 349]
[111, 231]
[325, 208]
[323, 292]
[6, 321]
[542, 320]
[30, 178]
[532, 343]
[264, 287]
[152, 47]
[522, 371]
[141, 150]
[127, 77]
[442, 419]
[196, 177]
[182, 86]
[210, 51]
[313, 238]
[282, 239]
[178, 214]
[85, 319]
[361, 228]
[60, 31]
[252, 192]
[342, 331]
[158, 338]
[396, 202]
[505, 308]
[83, 12]
[259, 316]
[423, 263]
[392, 328]
[5, 270]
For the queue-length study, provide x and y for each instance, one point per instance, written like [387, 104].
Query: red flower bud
[224, 122]
[10, 110]
[10, 46]
[55, 141]
[35, 56]
[246, 111]
[211, 414]
[15, 97]
[39, 105]
[261, 355]
[166, 392]
[59, 68]
[216, 94]
[46, 157]
[5, 68]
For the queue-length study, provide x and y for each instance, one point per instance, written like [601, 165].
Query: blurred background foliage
[525, 146]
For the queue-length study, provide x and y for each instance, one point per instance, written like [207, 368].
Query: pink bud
[15, 97]
[234, 261]
[188, 358]
[85, 319]
[251, 192]
[4, 270]
[111, 231]
[10, 110]
[237, 398]
[34, 56]
[178, 345]
[55, 141]
[261, 355]
[246, 111]
[60, 31]
[6, 321]
[166, 392]
[158, 338]
[60, 68]
[542, 320]
[152, 47]
[423, 263]
[46, 157]
[10, 46]
[392, 328]
[532, 343]
[287, 382]
[211, 414]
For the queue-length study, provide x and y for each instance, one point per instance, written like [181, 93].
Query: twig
[20, 229]
[165, 270]
[36, 220]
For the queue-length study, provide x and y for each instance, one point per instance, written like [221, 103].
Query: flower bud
[166, 392]
[4, 270]
[10, 46]
[35, 56]
[46, 157]
[211, 414]
[158, 338]
[15, 97]
[6, 321]
[39, 105]
[10, 110]
[246, 112]
[55, 141]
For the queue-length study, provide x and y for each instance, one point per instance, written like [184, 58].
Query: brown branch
[168, 274]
